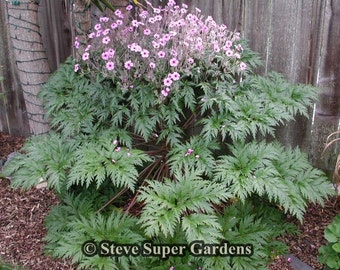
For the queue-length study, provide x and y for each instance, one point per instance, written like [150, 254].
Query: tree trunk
[31, 60]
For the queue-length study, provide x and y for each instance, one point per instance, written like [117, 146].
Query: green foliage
[330, 254]
[255, 108]
[74, 222]
[188, 202]
[101, 159]
[105, 3]
[284, 176]
[43, 158]
[259, 226]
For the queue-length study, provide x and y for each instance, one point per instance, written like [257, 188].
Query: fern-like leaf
[166, 203]
[196, 154]
[283, 176]
[103, 159]
[43, 158]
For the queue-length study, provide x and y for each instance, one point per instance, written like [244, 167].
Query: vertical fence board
[327, 77]
[56, 30]
[13, 117]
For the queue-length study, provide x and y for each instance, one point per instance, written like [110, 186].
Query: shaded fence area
[298, 38]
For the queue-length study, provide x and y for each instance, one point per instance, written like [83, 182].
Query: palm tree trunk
[31, 60]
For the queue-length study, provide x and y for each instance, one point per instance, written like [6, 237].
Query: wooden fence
[299, 38]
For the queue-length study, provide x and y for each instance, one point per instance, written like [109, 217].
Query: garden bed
[22, 225]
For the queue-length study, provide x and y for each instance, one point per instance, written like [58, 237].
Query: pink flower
[76, 67]
[172, 33]
[98, 26]
[106, 32]
[171, 3]
[110, 65]
[86, 56]
[129, 7]
[135, 23]
[183, 10]
[145, 53]
[76, 44]
[99, 33]
[143, 14]
[158, 18]
[88, 47]
[128, 65]
[164, 93]
[199, 47]
[174, 76]
[161, 54]
[118, 12]
[229, 53]
[162, 42]
[105, 56]
[147, 32]
[173, 62]
[92, 35]
[152, 65]
[193, 31]
[155, 44]
[111, 53]
[106, 40]
[191, 61]
[228, 43]
[151, 20]
[167, 81]
[135, 47]
[189, 152]
[114, 25]
[173, 52]
[239, 47]
[216, 48]
[190, 17]
[237, 36]
[104, 19]
[243, 66]
[157, 10]
[119, 22]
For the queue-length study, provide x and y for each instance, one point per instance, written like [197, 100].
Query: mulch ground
[22, 228]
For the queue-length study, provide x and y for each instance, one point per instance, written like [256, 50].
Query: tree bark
[31, 59]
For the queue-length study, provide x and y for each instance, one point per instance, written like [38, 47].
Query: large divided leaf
[284, 176]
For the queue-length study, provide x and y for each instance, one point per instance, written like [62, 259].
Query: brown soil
[22, 225]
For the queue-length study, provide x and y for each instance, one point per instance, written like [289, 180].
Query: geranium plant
[155, 137]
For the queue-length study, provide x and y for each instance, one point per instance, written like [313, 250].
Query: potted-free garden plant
[154, 141]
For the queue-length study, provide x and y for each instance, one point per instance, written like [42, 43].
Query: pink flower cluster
[159, 46]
